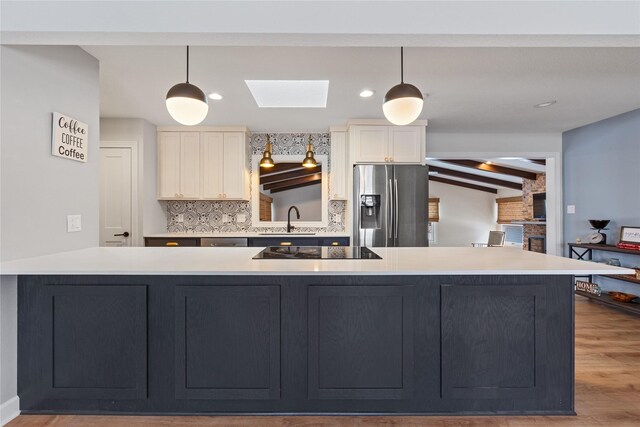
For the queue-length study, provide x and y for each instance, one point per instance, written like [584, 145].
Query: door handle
[396, 214]
[125, 234]
[390, 212]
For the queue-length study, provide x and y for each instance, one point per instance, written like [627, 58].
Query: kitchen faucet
[289, 226]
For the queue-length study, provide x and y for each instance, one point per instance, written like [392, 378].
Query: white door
[115, 196]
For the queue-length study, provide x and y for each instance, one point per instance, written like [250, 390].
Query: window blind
[434, 209]
[509, 210]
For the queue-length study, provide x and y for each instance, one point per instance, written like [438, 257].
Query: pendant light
[403, 103]
[309, 161]
[266, 161]
[186, 103]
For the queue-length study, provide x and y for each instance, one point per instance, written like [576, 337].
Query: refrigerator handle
[390, 216]
[395, 214]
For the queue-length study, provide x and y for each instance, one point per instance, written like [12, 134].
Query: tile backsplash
[220, 216]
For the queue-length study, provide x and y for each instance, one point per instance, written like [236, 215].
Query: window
[512, 235]
[433, 232]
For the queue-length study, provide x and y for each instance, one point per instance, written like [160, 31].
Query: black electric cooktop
[317, 252]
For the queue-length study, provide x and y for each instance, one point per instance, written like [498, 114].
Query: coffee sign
[69, 138]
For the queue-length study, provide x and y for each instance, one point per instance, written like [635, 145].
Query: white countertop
[211, 261]
[244, 234]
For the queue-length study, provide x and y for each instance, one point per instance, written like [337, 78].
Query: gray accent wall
[38, 190]
[601, 164]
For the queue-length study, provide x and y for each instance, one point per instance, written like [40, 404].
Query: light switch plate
[74, 223]
[571, 209]
[241, 218]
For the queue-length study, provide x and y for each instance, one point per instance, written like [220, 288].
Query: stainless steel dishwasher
[224, 241]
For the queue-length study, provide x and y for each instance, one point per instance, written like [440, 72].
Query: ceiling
[469, 89]
[456, 171]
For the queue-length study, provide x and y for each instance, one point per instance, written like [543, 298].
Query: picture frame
[629, 234]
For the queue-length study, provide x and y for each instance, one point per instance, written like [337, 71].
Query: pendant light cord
[187, 63]
[401, 64]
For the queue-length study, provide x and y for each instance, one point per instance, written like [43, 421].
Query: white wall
[308, 200]
[37, 190]
[152, 213]
[532, 145]
[466, 216]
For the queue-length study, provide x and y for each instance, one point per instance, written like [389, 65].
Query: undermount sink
[287, 234]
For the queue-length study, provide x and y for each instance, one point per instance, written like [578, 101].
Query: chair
[496, 239]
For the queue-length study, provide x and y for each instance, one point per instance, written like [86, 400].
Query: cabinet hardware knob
[386, 159]
[285, 243]
[391, 159]
[125, 234]
[335, 243]
[172, 244]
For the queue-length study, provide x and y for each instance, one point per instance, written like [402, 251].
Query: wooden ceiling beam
[462, 184]
[291, 187]
[473, 177]
[493, 168]
[290, 182]
[289, 175]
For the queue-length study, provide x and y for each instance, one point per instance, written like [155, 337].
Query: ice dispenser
[370, 211]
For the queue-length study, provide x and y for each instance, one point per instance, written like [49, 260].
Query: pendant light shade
[403, 102]
[309, 161]
[266, 161]
[186, 103]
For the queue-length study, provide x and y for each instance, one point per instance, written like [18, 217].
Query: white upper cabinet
[338, 172]
[387, 144]
[235, 180]
[406, 144]
[169, 165]
[178, 165]
[189, 165]
[212, 164]
[203, 165]
[371, 143]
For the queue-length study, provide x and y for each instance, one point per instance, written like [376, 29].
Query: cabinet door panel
[169, 165]
[503, 355]
[360, 342]
[190, 165]
[371, 144]
[235, 166]
[405, 144]
[227, 342]
[211, 152]
[97, 337]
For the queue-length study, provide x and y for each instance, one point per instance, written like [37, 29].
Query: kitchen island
[211, 330]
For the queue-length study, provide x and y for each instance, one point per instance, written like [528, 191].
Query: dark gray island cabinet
[296, 343]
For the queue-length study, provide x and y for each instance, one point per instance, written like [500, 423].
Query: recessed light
[545, 104]
[215, 96]
[367, 93]
[289, 93]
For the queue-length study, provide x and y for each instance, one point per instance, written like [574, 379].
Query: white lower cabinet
[203, 165]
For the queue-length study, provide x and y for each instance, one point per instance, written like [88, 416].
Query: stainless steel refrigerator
[390, 205]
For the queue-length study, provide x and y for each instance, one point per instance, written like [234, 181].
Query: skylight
[289, 93]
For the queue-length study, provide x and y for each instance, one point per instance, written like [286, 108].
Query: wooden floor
[607, 389]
